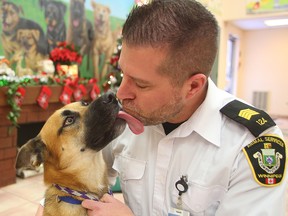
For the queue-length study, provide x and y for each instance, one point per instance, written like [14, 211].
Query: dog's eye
[84, 103]
[69, 120]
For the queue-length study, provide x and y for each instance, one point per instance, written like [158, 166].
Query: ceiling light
[276, 22]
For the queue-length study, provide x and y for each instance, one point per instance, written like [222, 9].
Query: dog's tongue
[134, 124]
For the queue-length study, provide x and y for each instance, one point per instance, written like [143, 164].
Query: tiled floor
[22, 198]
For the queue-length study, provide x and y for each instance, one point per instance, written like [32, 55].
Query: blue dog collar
[82, 195]
[69, 199]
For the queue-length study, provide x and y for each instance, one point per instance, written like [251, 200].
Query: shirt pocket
[131, 172]
[201, 200]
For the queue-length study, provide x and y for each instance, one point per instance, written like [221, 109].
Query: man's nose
[125, 90]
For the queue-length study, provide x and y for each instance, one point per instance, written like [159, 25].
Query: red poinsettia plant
[65, 54]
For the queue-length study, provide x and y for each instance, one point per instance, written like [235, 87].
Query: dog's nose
[110, 98]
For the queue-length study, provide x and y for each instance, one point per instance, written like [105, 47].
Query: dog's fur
[80, 30]
[11, 24]
[104, 40]
[69, 145]
[54, 17]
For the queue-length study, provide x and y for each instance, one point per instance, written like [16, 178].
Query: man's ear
[31, 154]
[194, 84]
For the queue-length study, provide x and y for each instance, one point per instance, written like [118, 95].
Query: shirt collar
[207, 120]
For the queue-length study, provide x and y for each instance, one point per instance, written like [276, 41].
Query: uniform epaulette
[256, 120]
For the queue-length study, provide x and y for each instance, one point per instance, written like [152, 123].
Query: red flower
[65, 54]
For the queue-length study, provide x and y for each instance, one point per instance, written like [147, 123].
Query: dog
[54, 12]
[80, 30]
[31, 55]
[11, 24]
[70, 147]
[104, 41]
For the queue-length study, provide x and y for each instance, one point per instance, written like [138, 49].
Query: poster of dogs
[31, 29]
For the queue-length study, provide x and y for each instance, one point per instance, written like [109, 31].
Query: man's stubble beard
[163, 114]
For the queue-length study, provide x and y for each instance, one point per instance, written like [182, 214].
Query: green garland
[14, 114]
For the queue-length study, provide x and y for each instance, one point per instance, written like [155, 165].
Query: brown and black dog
[54, 12]
[28, 40]
[80, 30]
[11, 24]
[69, 145]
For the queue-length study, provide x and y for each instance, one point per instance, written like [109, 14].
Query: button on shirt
[207, 148]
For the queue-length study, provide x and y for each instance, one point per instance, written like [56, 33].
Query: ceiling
[255, 24]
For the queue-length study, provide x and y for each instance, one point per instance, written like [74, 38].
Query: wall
[265, 68]
[262, 65]
[226, 30]
[234, 10]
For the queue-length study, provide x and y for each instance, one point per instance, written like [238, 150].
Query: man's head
[168, 51]
[184, 28]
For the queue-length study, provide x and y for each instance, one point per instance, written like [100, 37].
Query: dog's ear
[62, 8]
[93, 4]
[19, 34]
[108, 10]
[31, 154]
[20, 9]
[42, 3]
[35, 34]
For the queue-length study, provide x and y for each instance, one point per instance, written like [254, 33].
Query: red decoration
[19, 96]
[44, 96]
[65, 54]
[79, 92]
[66, 94]
[95, 91]
[114, 60]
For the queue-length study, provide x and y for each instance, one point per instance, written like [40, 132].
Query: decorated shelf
[32, 93]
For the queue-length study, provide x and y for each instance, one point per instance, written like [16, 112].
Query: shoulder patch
[256, 120]
[266, 156]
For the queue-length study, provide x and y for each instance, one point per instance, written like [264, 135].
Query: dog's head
[28, 38]
[10, 16]
[101, 15]
[54, 14]
[77, 13]
[76, 129]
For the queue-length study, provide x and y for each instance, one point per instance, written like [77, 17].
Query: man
[203, 152]
[199, 153]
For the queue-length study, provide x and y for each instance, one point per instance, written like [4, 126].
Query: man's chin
[150, 121]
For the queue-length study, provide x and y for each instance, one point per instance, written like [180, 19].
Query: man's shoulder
[254, 119]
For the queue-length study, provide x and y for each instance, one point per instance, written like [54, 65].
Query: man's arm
[247, 197]
[39, 211]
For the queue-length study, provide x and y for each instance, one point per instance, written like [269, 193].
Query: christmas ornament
[44, 96]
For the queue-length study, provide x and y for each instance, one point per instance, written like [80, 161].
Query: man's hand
[107, 206]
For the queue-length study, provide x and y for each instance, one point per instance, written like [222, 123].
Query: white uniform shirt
[208, 149]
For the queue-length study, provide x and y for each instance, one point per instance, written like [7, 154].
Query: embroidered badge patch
[267, 158]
